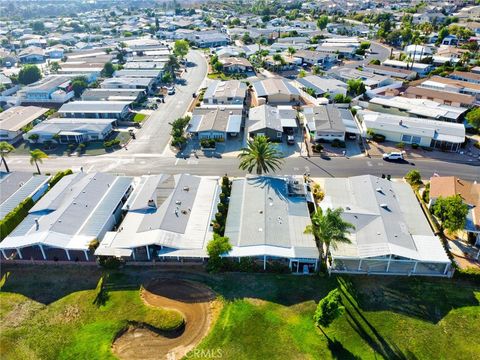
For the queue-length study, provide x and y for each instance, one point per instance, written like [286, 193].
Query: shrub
[378, 138]
[216, 247]
[208, 143]
[15, 217]
[400, 145]
[58, 176]
[111, 143]
[415, 146]
[328, 309]
[413, 177]
[317, 192]
[318, 148]
[109, 262]
[426, 193]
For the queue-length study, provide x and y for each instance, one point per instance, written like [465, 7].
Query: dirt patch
[192, 300]
[20, 312]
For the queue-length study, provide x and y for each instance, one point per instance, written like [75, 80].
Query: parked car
[393, 156]
[291, 140]
[170, 90]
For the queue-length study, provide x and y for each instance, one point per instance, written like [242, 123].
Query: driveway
[154, 135]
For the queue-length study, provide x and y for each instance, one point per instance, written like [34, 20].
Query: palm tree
[36, 157]
[5, 149]
[291, 50]
[261, 155]
[329, 230]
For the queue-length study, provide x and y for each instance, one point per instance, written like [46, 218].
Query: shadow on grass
[338, 350]
[426, 299]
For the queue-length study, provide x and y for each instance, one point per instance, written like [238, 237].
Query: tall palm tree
[5, 149]
[260, 155]
[291, 50]
[36, 157]
[329, 230]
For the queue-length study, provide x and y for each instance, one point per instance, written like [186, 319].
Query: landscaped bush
[426, 194]
[111, 143]
[15, 217]
[58, 176]
[208, 143]
[109, 262]
[378, 138]
[221, 215]
[318, 148]
[415, 146]
[400, 145]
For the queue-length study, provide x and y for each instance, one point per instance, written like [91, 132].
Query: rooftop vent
[178, 202]
[151, 203]
[186, 188]
[385, 206]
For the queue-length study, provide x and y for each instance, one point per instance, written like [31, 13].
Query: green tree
[54, 67]
[328, 309]
[473, 118]
[38, 26]
[374, 62]
[79, 84]
[180, 48]
[217, 247]
[329, 229]
[341, 99]
[291, 50]
[302, 73]
[108, 70]
[5, 149]
[37, 156]
[29, 74]
[451, 211]
[355, 87]
[322, 22]
[442, 34]
[413, 177]
[167, 78]
[260, 155]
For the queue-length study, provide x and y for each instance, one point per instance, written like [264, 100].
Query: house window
[416, 139]
[407, 138]
[446, 102]
[279, 134]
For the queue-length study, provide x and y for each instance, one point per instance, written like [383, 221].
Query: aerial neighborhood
[240, 159]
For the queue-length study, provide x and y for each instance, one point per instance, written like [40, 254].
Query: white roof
[172, 211]
[72, 213]
[387, 217]
[422, 107]
[413, 126]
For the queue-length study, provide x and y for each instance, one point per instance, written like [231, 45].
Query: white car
[393, 156]
[170, 90]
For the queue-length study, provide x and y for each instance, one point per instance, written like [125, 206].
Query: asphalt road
[123, 162]
[154, 135]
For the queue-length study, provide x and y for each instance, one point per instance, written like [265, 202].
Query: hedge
[15, 217]
[56, 178]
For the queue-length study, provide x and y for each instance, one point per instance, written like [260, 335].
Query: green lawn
[75, 326]
[394, 318]
[138, 118]
[265, 316]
